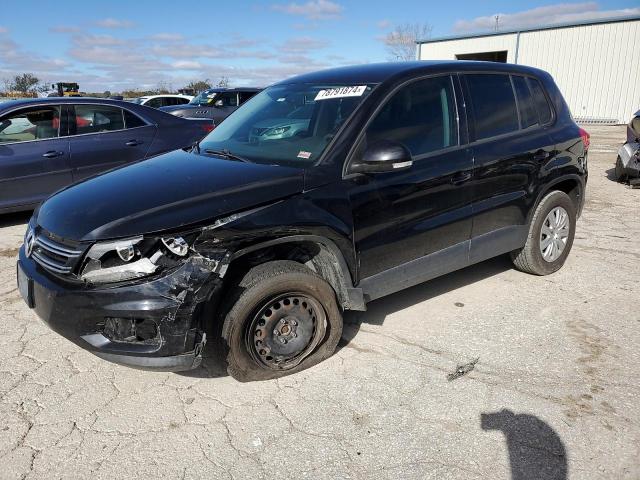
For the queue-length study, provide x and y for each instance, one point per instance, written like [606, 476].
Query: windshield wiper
[225, 154]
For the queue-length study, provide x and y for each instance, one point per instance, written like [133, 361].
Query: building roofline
[552, 26]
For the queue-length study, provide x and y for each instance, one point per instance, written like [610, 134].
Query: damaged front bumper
[154, 324]
[629, 155]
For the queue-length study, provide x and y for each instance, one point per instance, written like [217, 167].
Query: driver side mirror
[384, 156]
[218, 104]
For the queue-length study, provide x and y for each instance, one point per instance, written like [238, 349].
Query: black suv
[215, 103]
[402, 172]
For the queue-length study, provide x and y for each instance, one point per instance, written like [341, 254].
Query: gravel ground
[554, 394]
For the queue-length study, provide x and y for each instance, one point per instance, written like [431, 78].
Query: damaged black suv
[320, 194]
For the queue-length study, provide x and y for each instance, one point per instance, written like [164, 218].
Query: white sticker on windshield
[303, 154]
[341, 92]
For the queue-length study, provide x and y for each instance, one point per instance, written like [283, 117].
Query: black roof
[379, 72]
[236, 89]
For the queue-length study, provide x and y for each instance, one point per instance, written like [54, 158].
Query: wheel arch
[573, 185]
[318, 253]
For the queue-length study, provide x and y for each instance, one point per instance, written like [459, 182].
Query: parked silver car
[628, 161]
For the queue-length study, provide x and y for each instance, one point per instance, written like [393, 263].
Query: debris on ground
[463, 369]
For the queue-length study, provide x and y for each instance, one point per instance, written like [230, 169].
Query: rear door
[33, 155]
[509, 146]
[407, 215]
[105, 137]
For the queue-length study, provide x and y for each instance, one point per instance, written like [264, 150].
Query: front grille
[53, 255]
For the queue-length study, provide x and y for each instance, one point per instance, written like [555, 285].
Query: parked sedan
[49, 143]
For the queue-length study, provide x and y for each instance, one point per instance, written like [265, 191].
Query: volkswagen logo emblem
[28, 243]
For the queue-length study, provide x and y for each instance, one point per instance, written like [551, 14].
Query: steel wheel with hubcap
[554, 234]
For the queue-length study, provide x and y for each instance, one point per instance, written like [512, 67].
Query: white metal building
[596, 64]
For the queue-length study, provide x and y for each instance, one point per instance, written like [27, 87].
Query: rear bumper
[164, 310]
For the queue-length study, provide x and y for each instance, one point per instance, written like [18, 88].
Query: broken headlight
[128, 259]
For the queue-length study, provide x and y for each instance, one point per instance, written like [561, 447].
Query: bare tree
[27, 84]
[164, 87]
[224, 82]
[401, 42]
[199, 85]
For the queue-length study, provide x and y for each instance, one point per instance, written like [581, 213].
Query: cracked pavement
[554, 394]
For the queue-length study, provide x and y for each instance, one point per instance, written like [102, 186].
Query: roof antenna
[497, 17]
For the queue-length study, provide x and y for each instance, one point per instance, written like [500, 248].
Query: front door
[105, 137]
[400, 217]
[33, 156]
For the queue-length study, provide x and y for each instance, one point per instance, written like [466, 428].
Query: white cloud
[559, 13]
[100, 62]
[187, 65]
[3, 30]
[383, 24]
[114, 23]
[312, 10]
[167, 37]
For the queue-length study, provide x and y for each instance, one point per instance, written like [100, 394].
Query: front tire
[282, 318]
[620, 175]
[550, 236]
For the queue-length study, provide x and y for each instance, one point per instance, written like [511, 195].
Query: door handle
[52, 154]
[133, 143]
[460, 177]
[541, 155]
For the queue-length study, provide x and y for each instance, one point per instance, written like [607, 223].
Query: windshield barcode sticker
[341, 92]
[305, 155]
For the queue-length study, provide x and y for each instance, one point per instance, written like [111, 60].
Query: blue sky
[140, 43]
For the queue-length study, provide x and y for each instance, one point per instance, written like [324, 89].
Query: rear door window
[228, 99]
[421, 116]
[540, 101]
[97, 119]
[528, 114]
[34, 123]
[493, 104]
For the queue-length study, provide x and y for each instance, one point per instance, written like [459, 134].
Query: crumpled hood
[166, 192]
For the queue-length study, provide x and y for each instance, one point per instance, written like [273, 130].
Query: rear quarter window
[493, 104]
[528, 113]
[540, 101]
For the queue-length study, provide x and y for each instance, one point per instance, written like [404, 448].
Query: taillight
[208, 127]
[586, 138]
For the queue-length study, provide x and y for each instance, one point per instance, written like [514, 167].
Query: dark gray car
[215, 103]
[47, 144]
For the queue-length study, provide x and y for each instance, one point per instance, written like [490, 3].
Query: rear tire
[281, 319]
[550, 236]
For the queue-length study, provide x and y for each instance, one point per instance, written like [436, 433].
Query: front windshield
[204, 98]
[138, 100]
[286, 124]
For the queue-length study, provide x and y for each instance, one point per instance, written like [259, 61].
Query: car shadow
[378, 310]
[17, 218]
[535, 449]
[213, 363]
